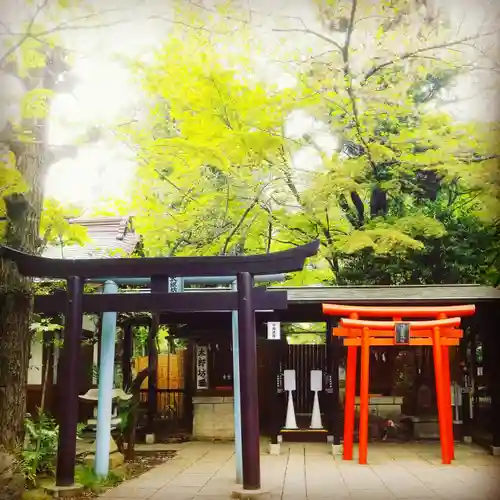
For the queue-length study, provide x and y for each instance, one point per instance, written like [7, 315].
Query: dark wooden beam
[162, 302]
[273, 263]
[68, 384]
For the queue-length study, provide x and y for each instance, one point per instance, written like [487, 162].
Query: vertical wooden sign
[201, 367]
[273, 330]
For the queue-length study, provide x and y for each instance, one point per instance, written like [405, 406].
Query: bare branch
[309, 31]
[348, 79]
[415, 53]
[350, 29]
[25, 36]
[244, 215]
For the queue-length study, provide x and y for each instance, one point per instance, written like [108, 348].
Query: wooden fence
[170, 383]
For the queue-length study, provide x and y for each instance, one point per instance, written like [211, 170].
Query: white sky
[106, 96]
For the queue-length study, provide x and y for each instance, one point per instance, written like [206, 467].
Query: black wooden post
[153, 370]
[127, 354]
[491, 324]
[278, 393]
[465, 382]
[333, 349]
[473, 374]
[248, 384]
[68, 384]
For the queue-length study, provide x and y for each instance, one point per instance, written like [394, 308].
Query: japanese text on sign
[201, 367]
[174, 285]
[273, 330]
[402, 333]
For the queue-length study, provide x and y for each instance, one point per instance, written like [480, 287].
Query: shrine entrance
[299, 405]
[305, 359]
[440, 333]
[73, 302]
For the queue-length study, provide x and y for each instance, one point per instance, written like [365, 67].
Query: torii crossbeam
[440, 332]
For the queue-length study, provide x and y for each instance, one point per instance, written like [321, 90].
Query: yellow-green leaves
[36, 103]
[210, 152]
[56, 229]
[11, 181]
[217, 174]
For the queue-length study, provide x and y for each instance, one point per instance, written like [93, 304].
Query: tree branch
[24, 36]
[244, 215]
[309, 31]
[406, 55]
[348, 79]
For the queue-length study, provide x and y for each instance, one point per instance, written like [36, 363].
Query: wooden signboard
[201, 367]
[402, 334]
[273, 330]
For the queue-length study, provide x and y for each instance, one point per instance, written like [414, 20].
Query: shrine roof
[107, 237]
[373, 294]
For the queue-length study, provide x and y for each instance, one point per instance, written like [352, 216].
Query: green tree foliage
[56, 228]
[404, 198]
[209, 155]
[408, 182]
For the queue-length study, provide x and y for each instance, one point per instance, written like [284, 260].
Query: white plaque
[175, 285]
[201, 367]
[316, 380]
[289, 376]
[273, 330]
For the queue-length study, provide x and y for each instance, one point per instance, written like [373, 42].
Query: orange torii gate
[440, 333]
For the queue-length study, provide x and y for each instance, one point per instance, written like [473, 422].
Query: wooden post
[278, 391]
[491, 365]
[248, 384]
[350, 388]
[333, 357]
[364, 397]
[68, 384]
[441, 399]
[127, 354]
[468, 377]
[445, 354]
[153, 372]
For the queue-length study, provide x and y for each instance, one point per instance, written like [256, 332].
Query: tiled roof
[108, 237]
[391, 294]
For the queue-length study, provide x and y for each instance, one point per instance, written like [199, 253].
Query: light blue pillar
[236, 395]
[105, 390]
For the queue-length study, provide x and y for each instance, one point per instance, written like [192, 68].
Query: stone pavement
[206, 471]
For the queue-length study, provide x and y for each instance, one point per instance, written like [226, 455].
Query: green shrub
[40, 445]
[86, 476]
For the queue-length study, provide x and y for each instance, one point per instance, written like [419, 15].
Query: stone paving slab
[206, 471]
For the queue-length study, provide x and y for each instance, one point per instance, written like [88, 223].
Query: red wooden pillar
[441, 398]
[350, 388]
[364, 397]
[447, 393]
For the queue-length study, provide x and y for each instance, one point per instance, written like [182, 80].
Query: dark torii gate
[74, 303]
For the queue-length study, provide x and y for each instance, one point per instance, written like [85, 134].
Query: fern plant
[40, 445]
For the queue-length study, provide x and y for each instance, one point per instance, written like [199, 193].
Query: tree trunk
[14, 358]
[16, 301]
[130, 432]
